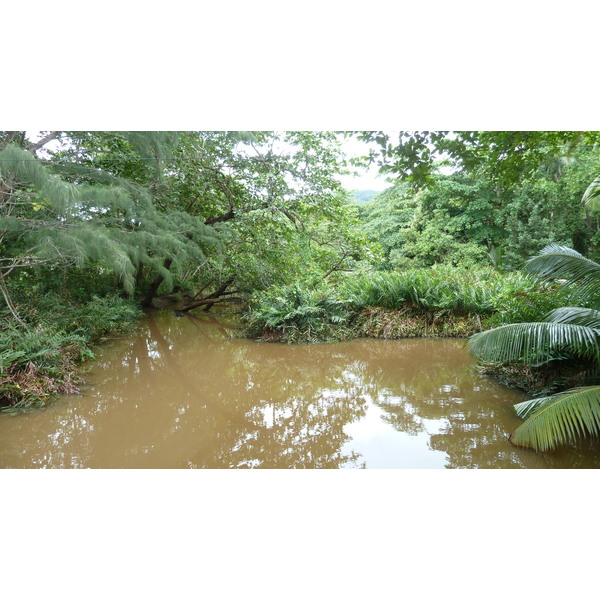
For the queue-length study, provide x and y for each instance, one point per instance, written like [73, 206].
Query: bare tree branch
[50, 136]
[9, 303]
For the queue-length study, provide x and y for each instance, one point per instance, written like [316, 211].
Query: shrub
[105, 316]
[527, 299]
[441, 300]
[39, 361]
[36, 363]
[296, 313]
[432, 289]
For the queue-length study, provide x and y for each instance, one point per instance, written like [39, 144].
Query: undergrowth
[297, 313]
[439, 301]
[39, 360]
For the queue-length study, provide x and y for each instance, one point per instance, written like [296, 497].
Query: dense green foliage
[438, 288]
[297, 313]
[89, 219]
[96, 225]
[567, 334]
[40, 360]
[504, 158]
[429, 301]
[466, 218]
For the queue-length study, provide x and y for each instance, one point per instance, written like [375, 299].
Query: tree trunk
[210, 300]
[151, 293]
[9, 303]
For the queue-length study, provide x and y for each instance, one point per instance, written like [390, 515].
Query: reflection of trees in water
[473, 413]
[291, 415]
[303, 432]
[183, 393]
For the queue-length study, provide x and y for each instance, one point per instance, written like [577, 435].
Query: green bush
[37, 363]
[528, 300]
[437, 288]
[296, 313]
[421, 298]
[45, 345]
[105, 316]
[39, 360]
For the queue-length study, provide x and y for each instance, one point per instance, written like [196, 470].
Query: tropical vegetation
[96, 227]
[566, 334]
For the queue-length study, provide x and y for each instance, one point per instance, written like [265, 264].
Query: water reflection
[183, 393]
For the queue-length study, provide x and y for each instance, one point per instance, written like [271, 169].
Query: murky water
[183, 393]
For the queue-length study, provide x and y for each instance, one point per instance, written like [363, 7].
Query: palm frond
[534, 342]
[524, 409]
[561, 262]
[591, 196]
[576, 315]
[558, 419]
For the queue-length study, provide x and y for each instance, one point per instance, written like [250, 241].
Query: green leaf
[576, 315]
[559, 419]
[534, 342]
[591, 197]
[560, 262]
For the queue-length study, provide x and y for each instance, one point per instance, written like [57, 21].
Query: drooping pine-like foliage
[107, 220]
[102, 214]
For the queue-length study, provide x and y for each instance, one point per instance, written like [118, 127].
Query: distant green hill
[362, 196]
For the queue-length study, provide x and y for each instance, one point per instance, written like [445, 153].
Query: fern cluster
[415, 302]
[297, 313]
[40, 359]
[440, 288]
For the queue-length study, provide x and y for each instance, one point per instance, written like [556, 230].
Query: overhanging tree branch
[42, 142]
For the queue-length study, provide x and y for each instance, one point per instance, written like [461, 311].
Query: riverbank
[41, 358]
[375, 322]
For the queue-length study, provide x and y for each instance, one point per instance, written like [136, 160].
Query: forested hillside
[361, 196]
[468, 217]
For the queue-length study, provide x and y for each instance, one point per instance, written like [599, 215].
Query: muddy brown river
[184, 393]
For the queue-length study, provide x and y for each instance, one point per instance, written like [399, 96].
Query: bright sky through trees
[369, 179]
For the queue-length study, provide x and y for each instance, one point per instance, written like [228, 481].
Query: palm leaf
[591, 197]
[558, 419]
[560, 262]
[524, 409]
[576, 315]
[534, 342]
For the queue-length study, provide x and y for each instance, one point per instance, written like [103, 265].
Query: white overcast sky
[369, 179]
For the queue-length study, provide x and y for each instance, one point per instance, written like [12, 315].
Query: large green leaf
[591, 197]
[558, 419]
[534, 342]
[560, 262]
[576, 315]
